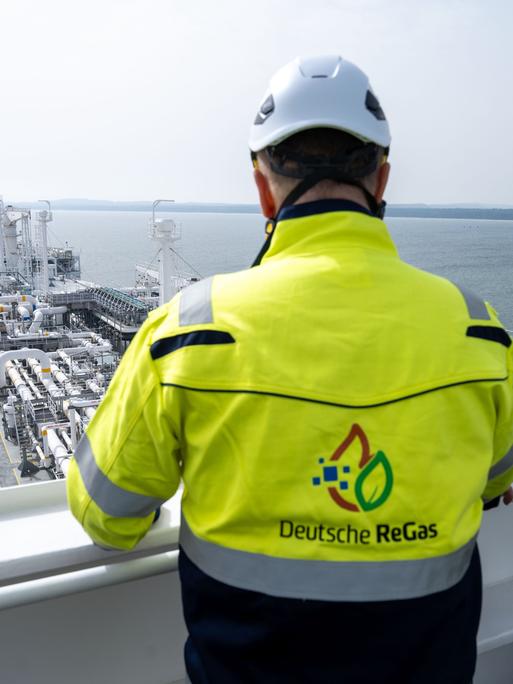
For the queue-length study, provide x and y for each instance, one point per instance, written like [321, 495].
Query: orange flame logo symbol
[374, 482]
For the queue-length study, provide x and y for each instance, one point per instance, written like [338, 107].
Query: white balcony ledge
[40, 537]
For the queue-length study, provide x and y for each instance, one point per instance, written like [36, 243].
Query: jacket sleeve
[127, 463]
[500, 475]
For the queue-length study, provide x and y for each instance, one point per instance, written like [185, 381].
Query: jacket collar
[320, 207]
[327, 227]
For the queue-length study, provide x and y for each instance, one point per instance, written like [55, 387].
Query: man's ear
[265, 194]
[382, 180]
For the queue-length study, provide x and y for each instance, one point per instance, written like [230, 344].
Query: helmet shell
[319, 92]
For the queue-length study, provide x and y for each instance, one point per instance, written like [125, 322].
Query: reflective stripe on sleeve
[196, 304]
[475, 305]
[327, 580]
[501, 466]
[113, 500]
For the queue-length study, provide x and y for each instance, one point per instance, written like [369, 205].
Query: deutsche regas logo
[371, 479]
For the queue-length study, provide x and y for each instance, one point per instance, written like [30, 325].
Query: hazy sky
[138, 99]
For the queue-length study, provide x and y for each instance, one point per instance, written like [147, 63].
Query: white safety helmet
[319, 92]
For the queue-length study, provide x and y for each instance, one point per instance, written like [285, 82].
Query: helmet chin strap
[377, 208]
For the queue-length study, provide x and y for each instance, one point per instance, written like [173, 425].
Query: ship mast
[165, 232]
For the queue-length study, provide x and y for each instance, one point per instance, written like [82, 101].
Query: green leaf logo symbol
[374, 483]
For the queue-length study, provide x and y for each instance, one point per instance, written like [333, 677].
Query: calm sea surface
[478, 254]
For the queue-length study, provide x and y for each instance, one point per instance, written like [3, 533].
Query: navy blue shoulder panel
[491, 333]
[167, 345]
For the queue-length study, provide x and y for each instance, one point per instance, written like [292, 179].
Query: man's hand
[507, 497]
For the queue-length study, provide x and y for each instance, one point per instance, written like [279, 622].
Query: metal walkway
[120, 308]
[8, 467]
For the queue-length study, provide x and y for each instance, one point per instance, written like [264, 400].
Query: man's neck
[334, 191]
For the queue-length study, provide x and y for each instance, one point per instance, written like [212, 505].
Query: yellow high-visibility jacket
[336, 415]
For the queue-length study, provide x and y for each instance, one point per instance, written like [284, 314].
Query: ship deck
[10, 460]
[9, 475]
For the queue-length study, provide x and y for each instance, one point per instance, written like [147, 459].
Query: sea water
[477, 254]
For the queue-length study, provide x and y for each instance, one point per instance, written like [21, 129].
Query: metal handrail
[49, 588]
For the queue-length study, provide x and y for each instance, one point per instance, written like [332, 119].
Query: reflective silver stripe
[113, 500]
[327, 580]
[196, 303]
[501, 466]
[475, 305]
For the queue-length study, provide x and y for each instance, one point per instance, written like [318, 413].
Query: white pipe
[45, 460]
[70, 351]
[21, 387]
[66, 438]
[54, 443]
[29, 382]
[51, 310]
[64, 356]
[73, 367]
[37, 336]
[90, 411]
[61, 377]
[72, 416]
[63, 380]
[81, 403]
[36, 323]
[94, 349]
[99, 340]
[93, 386]
[74, 351]
[46, 311]
[58, 450]
[23, 312]
[47, 381]
[24, 354]
[17, 298]
[97, 346]
[107, 347]
[52, 389]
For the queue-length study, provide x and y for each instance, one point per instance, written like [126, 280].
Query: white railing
[48, 588]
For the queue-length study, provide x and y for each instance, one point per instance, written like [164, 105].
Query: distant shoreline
[393, 211]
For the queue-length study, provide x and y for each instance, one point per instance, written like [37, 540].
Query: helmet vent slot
[372, 104]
